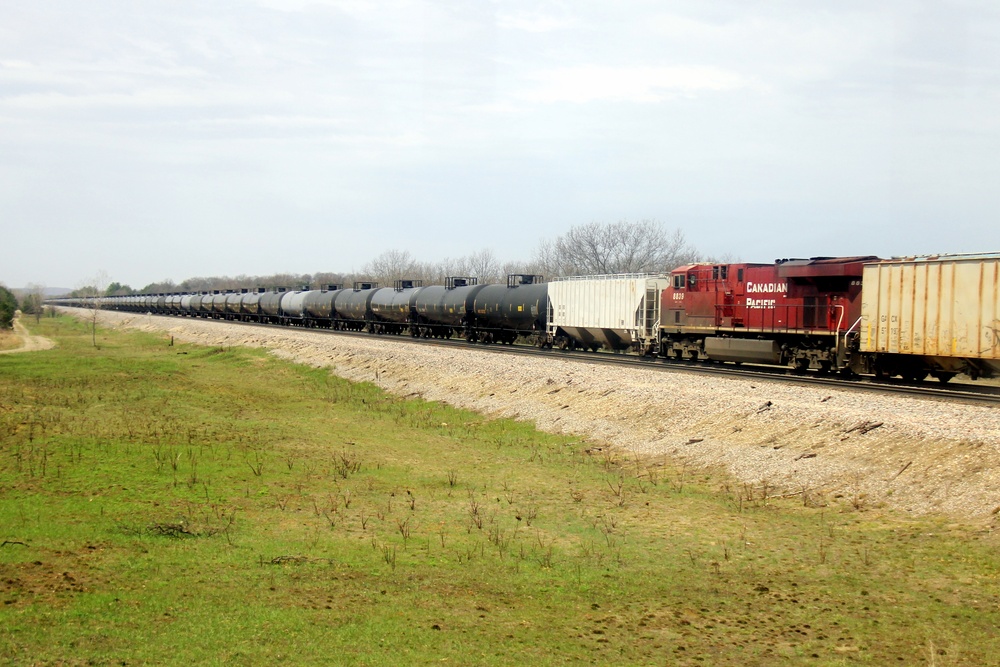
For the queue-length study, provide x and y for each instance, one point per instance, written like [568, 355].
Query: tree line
[31, 302]
[644, 246]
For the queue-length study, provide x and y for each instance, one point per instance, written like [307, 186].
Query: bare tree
[392, 265]
[545, 261]
[451, 267]
[97, 289]
[645, 246]
[33, 300]
[322, 279]
[485, 266]
[508, 268]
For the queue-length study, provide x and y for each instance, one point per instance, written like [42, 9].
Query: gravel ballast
[922, 456]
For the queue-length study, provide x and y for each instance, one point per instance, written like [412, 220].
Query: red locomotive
[795, 312]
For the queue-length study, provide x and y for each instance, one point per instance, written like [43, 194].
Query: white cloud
[535, 22]
[628, 84]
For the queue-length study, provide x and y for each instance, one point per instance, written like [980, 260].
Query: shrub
[8, 304]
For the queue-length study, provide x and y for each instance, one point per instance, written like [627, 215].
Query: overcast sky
[172, 139]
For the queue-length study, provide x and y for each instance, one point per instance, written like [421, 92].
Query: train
[908, 317]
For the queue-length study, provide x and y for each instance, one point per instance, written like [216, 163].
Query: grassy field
[173, 504]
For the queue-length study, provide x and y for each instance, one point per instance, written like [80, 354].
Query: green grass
[176, 504]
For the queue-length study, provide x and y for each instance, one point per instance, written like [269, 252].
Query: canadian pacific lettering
[760, 304]
[766, 288]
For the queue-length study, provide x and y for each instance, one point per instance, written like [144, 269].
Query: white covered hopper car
[615, 312]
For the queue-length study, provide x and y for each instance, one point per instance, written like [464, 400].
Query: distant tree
[485, 266]
[507, 268]
[197, 284]
[117, 289]
[597, 248]
[321, 280]
[33, 301]
[162, 286]
[8, 306]
[393, 265]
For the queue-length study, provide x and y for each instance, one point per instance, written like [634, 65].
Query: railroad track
[955, 392]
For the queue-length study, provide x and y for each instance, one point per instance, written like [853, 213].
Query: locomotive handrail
[846, 334]
[840, 320]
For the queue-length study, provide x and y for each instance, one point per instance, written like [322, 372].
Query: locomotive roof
[822, 266]
[812, 261]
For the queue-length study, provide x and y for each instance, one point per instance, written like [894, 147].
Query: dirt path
[29, 343]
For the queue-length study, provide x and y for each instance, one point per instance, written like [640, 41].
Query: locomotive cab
[706, 296]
